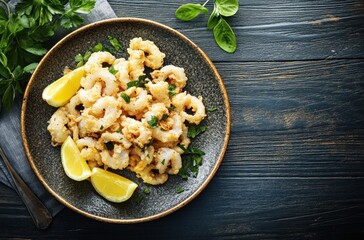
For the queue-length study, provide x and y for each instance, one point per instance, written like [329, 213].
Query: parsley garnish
[80, 60]
[101, 127]
[98, 47]
[194, 130]
[171, 108]
[109, 145]
[24, 33]
[179, 190]
[112, 70]
[171, 89]
[146, 190]
[115, 43]
[125, 97]
[118, 130]
[164, 117]
[212, 109]
[137, 83]
[191, 160]
[153, 121]
[163, 161]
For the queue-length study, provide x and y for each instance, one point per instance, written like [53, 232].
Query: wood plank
[286, 171]
[295, 119]
[263, 209]
[278, 31]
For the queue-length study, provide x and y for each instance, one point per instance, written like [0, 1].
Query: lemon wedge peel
[112, 186]
[62, 90]
[73, 164]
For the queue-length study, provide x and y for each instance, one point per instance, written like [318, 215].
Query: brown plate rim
[158, 215]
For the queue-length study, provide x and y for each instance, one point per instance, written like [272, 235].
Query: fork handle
[42, 218]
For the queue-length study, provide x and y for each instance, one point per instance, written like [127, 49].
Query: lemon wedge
[74, 165]
[112, 186]
[60, 92]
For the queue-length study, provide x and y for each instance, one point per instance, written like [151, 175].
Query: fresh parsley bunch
[23, 34]
[223, 33]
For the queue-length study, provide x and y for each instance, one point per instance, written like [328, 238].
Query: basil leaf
[224, 36]
[227, 8]
[213, 19]
[189, 11]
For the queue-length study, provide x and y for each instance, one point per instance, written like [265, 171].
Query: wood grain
[274, 31]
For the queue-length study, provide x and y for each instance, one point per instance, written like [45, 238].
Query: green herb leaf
[115, 43]
[112, 70]
[191, 160]
[125, 97]
[171, 89]
[8, 98]
[194, 130]
[213, 19]
[212, 109]
[30, 68]
[227, 8]
[179, 190]
[97, 48]
[137, 83]
[109, 146]
[23, 33]
[146, 190]
[164, 117]
[153, 121]
[189, 11]
[225, 36]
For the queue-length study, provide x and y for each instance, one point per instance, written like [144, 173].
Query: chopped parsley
[146, 190]
[138, 83]
[179, 190]
[164, 117]
[112, 70]
[125, 97]
[153, 121]
[163, 161]
[80, 60]
[171, 108]
[194, 130]
[109, 146]
[101, 127]
[212, 109]
[115, 43]
[171, 89]
[97, 48]
[191, 160]
[118, 130]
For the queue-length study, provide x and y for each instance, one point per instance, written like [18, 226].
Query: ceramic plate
[203, 79]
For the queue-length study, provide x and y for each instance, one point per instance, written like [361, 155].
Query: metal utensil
[41, 216]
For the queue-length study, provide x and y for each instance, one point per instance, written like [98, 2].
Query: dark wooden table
[294, 167]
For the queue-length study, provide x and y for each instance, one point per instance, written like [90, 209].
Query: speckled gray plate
[203, 79]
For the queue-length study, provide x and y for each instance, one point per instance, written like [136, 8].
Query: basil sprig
[223, 33]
